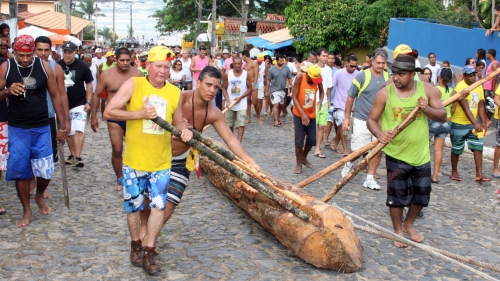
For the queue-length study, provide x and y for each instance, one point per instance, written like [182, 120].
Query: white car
[169, 40]
[101, 39]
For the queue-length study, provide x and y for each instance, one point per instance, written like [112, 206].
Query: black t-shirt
[31, 111]
[81, 75]
[3, 104]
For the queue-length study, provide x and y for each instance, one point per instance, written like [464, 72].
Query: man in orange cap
[307, 83]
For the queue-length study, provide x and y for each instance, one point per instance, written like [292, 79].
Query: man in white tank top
[186, 66]
[237, 86]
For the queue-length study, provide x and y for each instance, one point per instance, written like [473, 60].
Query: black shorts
[301, 131]
[122, 124]
[407, 184]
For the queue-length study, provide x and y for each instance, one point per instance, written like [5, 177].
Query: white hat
[98, 50]
[53, 49]
[225, 51]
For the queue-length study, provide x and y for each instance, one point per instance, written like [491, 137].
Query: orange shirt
[306, 98]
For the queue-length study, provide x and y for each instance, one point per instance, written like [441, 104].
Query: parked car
[128, 42]
[101, 40]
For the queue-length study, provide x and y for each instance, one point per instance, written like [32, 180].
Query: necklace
[192, 111]
[24, 79]
[405, 99]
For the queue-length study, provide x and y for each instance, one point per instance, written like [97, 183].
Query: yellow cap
[274, 62]
[403, 50]
[260, 57]
[158, 53]
[110, 54]
[314, 72]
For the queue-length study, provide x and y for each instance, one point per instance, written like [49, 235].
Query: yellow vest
[148, 146]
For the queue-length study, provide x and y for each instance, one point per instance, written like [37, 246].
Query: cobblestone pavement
[209, 238]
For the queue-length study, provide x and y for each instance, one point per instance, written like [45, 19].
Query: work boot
[136, 253]
[149, 262]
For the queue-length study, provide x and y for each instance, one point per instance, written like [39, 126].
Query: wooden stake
[241, 164]
[230, 167]
[409, 119]
[337, 164]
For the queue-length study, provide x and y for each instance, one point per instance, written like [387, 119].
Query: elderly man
[407, 154]
[147, 167]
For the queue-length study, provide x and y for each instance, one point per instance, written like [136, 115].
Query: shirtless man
[111, 80]
[252, 69]
[199, 111]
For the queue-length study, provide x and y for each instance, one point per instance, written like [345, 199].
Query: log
[328, 241]
[235, 171]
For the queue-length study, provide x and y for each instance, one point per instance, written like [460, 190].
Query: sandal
[455, 178]
[320, 155]
[2, 211]
[483, 179]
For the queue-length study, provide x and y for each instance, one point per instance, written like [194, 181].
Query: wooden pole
[230, 167]
[409, 119]
[337, 164]
[212, 144]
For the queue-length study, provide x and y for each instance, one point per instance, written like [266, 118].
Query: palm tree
[106, 32]
[89, 9]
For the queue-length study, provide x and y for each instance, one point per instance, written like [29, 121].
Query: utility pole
[68, 14]
[13, 8]
[198, 25]
[214, 27]
[131, 29]
[95, 27]
[243, 26]
[492, 13]
[114, 30]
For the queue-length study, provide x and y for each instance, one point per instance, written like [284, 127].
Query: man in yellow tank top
[148, 153]
[407, 154]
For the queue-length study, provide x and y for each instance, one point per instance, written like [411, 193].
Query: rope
[454, 258]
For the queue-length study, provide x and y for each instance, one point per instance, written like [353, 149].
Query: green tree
[105, 32]
[376, 17]
[89, 9]
[334, 25]
[181, 15]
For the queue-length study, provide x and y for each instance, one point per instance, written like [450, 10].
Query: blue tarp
[258, 42]
[279, 45]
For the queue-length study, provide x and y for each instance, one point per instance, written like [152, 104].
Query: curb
[487, 151]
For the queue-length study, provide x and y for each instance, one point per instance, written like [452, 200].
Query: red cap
[24, 43]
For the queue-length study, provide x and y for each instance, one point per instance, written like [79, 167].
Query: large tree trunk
[328, 241]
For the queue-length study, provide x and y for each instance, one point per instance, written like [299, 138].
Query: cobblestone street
[209, 238]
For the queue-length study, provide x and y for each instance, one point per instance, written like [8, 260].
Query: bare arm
[5, 92]
[494, 80]
[59, 73]
[115, 108]
[179, 123]
[88, 96]
[96, 100]
[231, 141]
[435, 109]
[374, 116]
[192, 65]
[348, 108]
[295, 94]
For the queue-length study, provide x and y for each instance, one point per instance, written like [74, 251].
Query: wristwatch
[89, 103]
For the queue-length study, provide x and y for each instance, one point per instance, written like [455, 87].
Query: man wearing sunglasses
[407, 154]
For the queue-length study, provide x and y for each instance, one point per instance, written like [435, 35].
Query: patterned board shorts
[460, 134]
[179, 178]
[135, 185]
[4, 141]
[78, 118]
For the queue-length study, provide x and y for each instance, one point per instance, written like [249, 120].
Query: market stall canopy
[273, 40]
[73, 39]
[56, 20]
[34, 31]
[57, 39]
[204, 37]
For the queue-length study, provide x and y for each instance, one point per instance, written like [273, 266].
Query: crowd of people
[46, 99]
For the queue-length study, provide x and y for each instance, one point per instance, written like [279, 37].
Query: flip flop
[455, 178]
[496, 175]
[433, 181]
[483, 179]
[320, 155]
[277, 125]
[2, 211]
[337, 150]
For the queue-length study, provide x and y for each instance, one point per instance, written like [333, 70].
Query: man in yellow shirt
[148, 155]
[464, 124]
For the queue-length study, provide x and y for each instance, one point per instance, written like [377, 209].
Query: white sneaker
[346, 169]
[371, 184]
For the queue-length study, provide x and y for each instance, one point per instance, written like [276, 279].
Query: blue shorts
[30, 153]
[459, 134]
[439, 129]
[136, 183]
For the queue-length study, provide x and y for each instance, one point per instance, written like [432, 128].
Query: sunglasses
[353, 66]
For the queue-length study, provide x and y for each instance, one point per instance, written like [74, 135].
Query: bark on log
[328, 241]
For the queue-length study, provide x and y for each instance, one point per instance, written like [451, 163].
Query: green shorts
[322, 116]
[236, 118]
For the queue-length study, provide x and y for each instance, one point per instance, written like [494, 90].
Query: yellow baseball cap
[260, 57]
[110, 54]
[314, 72]
[403, 49]
[158, 53]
